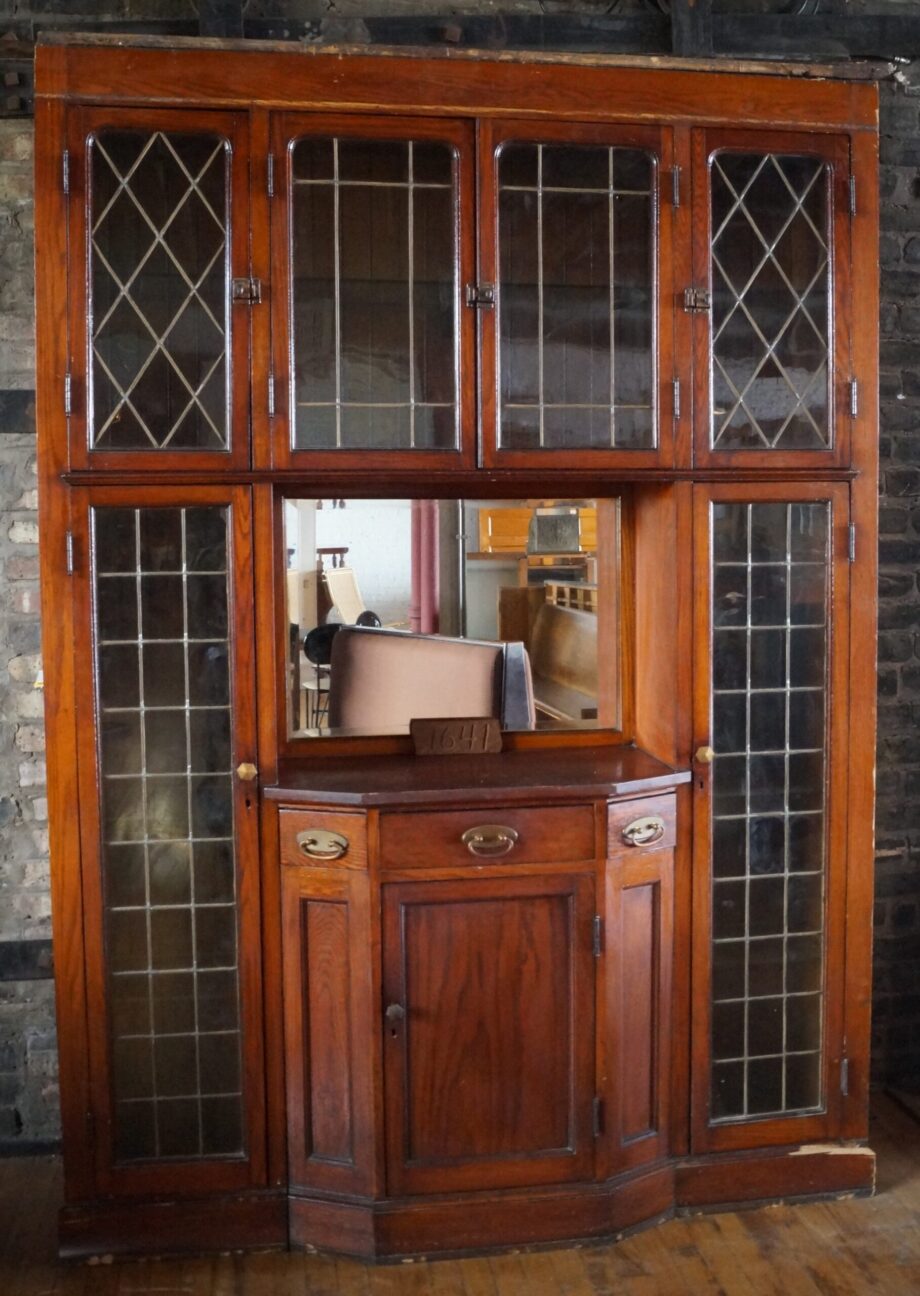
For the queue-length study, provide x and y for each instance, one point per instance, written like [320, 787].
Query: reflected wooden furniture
[548, 994]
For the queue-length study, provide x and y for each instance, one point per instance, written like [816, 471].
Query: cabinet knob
[488, 841]
[704, 755]
[247, 771]
[394, 1014]
[320, 844]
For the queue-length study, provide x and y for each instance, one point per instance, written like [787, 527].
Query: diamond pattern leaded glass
[159, 324]
[576, 317]
[770, 275]
[168, 858]
[769, 687]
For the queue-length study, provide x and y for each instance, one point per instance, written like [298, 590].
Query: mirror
[404, 608]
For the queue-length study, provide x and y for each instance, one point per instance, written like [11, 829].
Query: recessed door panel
[488, 1032]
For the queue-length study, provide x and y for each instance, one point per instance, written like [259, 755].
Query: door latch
[481, 296]
[697, 299]
[248, 292]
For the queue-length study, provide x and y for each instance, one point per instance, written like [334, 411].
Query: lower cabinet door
[488, 1032]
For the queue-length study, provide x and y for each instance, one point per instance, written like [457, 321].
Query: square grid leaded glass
[769, 685]
[168, 860]
[576, 323]
[159, 325]
[374, 294]
[770, 274]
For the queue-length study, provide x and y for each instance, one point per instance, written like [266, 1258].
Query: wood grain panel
[433, 840]
[327, 1021]
[489, 1075]
[638, 1009]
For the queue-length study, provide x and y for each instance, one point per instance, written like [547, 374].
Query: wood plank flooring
[841, 1248]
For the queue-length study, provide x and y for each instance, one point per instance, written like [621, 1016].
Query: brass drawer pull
[488, 841]
[643, 832]
[319, 844]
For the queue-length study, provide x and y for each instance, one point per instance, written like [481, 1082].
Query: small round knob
[247, 771]
[395, 1013]
[704, 755]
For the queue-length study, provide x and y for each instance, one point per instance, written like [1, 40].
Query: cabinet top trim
[216, 73]
[535, 776]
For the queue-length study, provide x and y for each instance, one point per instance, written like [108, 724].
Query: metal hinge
[675, 186]
[676, 398]
[854, 398]
[482, 296]
[247, 291]
[65, 170]
[68, 393]
[851, 195]
[597, 1116]
[697, 299]
[270, 175]
[271, 395]
[851, 542]
[845, 1077]
[68, 545]
[596, 931]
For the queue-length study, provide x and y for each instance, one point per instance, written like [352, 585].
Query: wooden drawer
[294, 824]
[622, 814]
[550, 834]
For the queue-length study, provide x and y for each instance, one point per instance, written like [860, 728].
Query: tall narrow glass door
[775, 852]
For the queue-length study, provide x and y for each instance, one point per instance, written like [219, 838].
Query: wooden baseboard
[237, 1222]
[463, 1223]
[729, 1179]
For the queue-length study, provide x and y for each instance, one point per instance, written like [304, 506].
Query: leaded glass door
[373, 347]
[159, 232]
[169, 830]
[770, 299]
[576, 353]
[770, 729]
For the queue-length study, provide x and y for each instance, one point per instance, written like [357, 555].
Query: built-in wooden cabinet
[267, 274]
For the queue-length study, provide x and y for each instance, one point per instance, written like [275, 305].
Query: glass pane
[576, 307]
[168, 863]
[405, 609]
[771, 302]
[768, 806]
[374, 295]
[159, 323]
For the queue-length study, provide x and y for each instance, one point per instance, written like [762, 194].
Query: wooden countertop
[557, 774]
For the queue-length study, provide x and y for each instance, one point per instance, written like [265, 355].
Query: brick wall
[28, 1111]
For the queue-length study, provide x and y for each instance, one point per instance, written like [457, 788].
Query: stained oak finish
[293, 823]
[489, 1058]
[329, 1026]
[340, 1111]
[435, 840]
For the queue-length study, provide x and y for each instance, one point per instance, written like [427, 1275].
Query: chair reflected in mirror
[382, 679]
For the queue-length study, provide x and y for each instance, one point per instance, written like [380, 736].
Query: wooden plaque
[456, 737]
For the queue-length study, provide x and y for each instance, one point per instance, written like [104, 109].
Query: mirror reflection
[401, 609]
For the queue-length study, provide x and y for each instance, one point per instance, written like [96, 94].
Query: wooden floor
[867, 1245]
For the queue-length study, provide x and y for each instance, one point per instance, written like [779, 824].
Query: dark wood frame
[94, 79]
[82, 126]
[835, 151]
[197, 1175]
[775, 1131]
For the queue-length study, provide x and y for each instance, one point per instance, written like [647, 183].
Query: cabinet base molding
[748, 1178]
[383, 1230]
[238, 1222]
[388, 1230]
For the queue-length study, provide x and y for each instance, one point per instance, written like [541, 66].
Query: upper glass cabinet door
[579, 332]
[772, 253]
[374, 220]
[159, 369]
